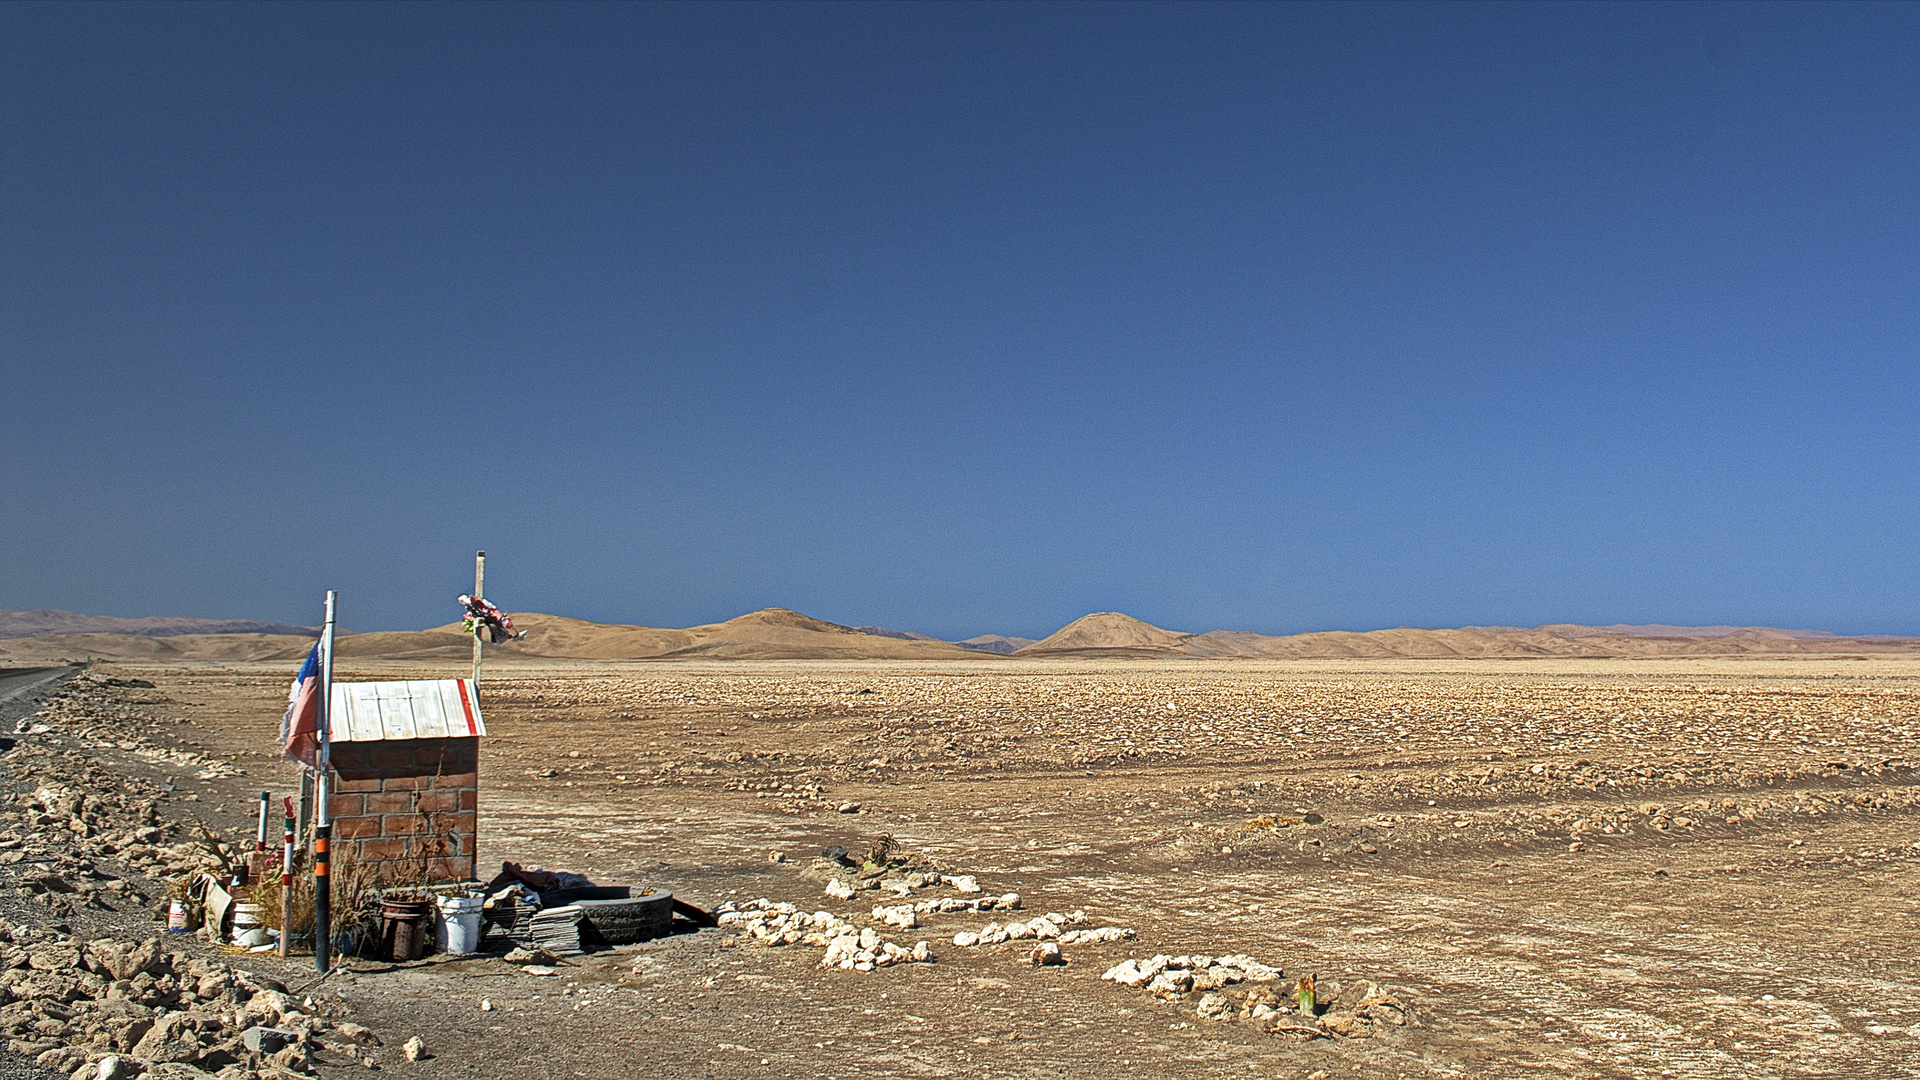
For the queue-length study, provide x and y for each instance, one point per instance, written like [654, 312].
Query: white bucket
[457, 929]
[248, 931]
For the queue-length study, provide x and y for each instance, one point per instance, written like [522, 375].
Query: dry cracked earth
[1603, 868]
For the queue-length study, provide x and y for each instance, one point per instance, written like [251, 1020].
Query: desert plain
[1684, 867]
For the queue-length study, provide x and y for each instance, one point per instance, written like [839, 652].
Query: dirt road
[1571, 868]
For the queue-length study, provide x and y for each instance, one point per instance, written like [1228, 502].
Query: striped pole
[323, 810]
[286, 882]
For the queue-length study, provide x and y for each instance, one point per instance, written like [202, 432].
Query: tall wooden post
[479, 593]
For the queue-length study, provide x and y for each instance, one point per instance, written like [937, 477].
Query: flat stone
[268, 1040]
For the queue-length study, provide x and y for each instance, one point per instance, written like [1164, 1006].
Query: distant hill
[55, 648]
[771, 634]
[781, 634]
[1109, 633]
[996, 643]
[15, 624]
[903, 635]
[1662, 630]
[1112, 634]
[768, 634]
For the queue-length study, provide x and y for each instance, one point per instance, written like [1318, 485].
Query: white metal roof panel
[411, 709]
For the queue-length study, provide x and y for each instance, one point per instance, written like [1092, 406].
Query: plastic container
[403, 931]
[456, 930]
[177, 917]
[248, 928]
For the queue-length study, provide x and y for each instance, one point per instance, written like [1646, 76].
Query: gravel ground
[1591, 869]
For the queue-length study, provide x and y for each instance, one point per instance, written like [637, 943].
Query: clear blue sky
[964, 319]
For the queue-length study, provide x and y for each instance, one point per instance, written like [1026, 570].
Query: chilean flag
[300, 728]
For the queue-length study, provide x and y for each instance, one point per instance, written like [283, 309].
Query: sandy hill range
[780, 634]
[1112, 634]
[771, 634]
[15, 624]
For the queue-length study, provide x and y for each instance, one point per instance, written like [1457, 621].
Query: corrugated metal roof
[416, 709]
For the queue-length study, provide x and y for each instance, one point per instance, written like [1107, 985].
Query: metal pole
[323, 812]
[260, 834]
[286, 882]
[479, 593]
[303, 821]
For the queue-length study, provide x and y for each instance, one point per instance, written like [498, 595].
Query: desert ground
[1698, 868]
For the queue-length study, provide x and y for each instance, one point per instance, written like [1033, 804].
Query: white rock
[839, 890]
[966, 940]
[1096, 935]
[1127, 973]
[415, 1048]
[1171, 983]
[903, 916]
[965, 883]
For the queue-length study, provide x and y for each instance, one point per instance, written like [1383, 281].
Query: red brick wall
[407, 808]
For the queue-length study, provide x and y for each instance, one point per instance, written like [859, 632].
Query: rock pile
[904, 886]
[80, 839]
[81, 814]
[907, 916]
[1048, 927]
[1296, 1009]
[847, 946]
[84, 710]
[72, 1004]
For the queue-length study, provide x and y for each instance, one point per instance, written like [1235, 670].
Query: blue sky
[964, 319]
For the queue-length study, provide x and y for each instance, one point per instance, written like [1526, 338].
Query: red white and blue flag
[300, 728]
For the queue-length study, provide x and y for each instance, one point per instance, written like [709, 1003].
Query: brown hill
[998, 643]
[903, 635]
[780, 634]
[772, 634]
[769, 634]
[54, 648]
[1111, 634]
[15, 624]
[1555, 641]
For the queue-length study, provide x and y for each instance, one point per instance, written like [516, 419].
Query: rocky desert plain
[1559, 852]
